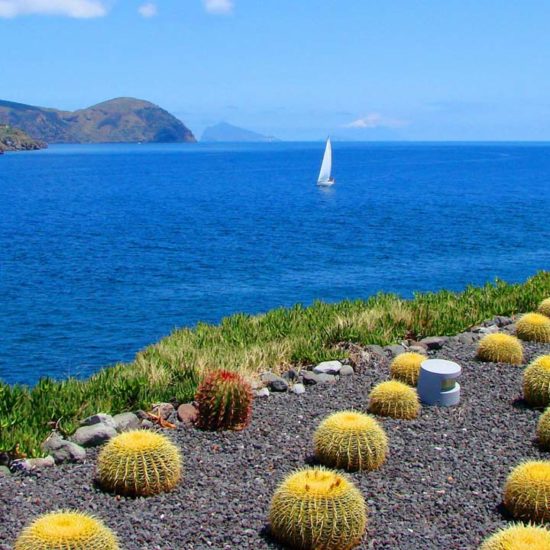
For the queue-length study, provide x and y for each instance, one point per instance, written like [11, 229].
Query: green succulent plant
[527, 491]
[394, 399]
[536, 382]
[406, 367]
[500, 348]
[139, 463]
[351, 440]
[318, 509]
[518, 537]
[224, 401]
[66, 530]
[534, 327]
[544, 307]
[543, 430]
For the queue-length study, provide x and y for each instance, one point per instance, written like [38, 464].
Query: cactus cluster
[544, 307]
[66, 530]
[318, 509]
[500, 348]
[139, 463]
[406, 367]
[543, 430]
[518, 537]
[224, 401]
[534, 327]
[527, 491]
[394, 399]
[536, 382]
[351, 440]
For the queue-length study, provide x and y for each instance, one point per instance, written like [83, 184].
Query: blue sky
[297, 69]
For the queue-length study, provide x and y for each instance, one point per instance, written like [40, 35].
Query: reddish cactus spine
[224, 401]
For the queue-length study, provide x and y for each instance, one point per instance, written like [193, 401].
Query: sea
[105, 249]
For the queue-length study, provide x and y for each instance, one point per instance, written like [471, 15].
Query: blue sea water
[105, 249]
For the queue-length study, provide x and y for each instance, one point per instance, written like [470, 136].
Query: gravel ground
[440, 487]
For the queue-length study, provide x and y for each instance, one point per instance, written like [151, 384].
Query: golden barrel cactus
[318, 509]
[534, 327]
[544, 307]
[518, 537]
[351, 440]
[394, 399]
[527, 491]
[406, 367]
[139, 463]
[543, 430]
[66, 530]
[500, 348]
[536, 382]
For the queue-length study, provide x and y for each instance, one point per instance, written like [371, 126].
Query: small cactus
[544, 307]
[394, 399]
[406, 367]
[518, 537]
[318, 509]
[351, 440]
[527, 491]
[224, 401]
[536, 382]
[66, 530]
[139, 463]
[534, 327]
[500, 348]
[543, 430]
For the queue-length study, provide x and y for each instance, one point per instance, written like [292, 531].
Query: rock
[466, 338]
[311, 378]
[502, 321]
[147, 424]
[328, 367]
[418, 349]
[187, 413]
[510, 329]
[290, 375]
[33, 464]
[92, 436]
[164, 410]
[4, 471]
[264, 392]
[62, 450]
[125, 422]
[99, 418]
[346, 370]
[298, 389]
[395, 350]
[326, 378]
[491, 329]
[374, 348]
[434, 342]
[274, 382]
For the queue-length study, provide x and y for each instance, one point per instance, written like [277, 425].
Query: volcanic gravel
[441, 487]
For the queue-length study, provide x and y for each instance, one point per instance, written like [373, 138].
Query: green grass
[249, 344]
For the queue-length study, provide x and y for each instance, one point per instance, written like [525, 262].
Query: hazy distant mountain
[13, 139]
[122, 120]
[227, 132]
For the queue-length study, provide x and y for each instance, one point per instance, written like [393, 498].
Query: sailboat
[325, 178]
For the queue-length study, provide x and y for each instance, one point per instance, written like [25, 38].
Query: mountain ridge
[225, 132]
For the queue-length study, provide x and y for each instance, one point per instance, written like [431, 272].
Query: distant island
[225, 132]
[14, 139]
[121, 120]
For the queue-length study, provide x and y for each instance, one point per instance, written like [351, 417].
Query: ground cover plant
[172, 368]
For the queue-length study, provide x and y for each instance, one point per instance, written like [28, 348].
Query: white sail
[326, 166]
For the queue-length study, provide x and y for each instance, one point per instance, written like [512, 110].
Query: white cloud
[148, 10]
[218, 6]
[375, 120]
[80, 9]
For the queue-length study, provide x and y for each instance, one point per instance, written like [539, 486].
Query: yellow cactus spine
[66, 530]
[406, 367]
[500, 348]
[534, 327]
[351, 440]
[518, 537]
[139, 463]
[527, 491]
[394, 399]
[543, 430]
[544, 307]
[536, 382]
[318, 509]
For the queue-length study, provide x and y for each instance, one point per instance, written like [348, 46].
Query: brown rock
[164, 410]
[187, 413]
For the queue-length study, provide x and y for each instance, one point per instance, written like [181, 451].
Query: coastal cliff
[13, 139]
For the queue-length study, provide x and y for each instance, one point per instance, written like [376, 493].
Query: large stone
[434, 342]
[466, 338]
[346, 370]
[328, 367]
[99, 418]
[164, 410]
[290, 375]
[62, 450]
[395, 350]
[124, 422]
[298, 389]
[4, 471]
[274, 382]
[33, 464]
[92, 436]
[311, 378]
[264, 392]
[187, 413]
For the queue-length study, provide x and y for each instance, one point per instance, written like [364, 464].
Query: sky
[296, 69]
